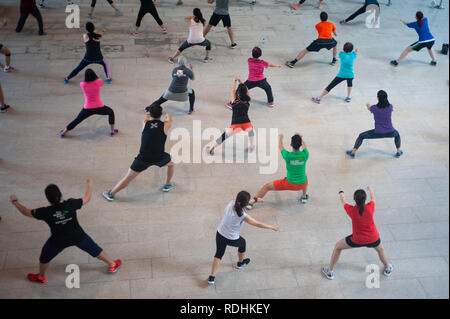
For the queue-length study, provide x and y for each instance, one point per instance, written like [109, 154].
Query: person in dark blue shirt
[426, 39]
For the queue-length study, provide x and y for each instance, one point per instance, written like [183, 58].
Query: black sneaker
[433, 63]
[233, 46]
[394, 62]
[4, 108]
[245, 262]
[211, 280]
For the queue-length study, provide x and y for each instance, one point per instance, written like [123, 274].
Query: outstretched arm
[87, 195]
[368, 106]
[25, 211]
[342, 196]
[258, 224]
[274, 65]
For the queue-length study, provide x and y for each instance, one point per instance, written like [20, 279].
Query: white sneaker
[388, 271]
[328, 273]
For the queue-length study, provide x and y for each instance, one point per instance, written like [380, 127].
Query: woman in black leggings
[147, 6]
[93, 103]
[93, 53]
[111, 3]
[29, 7]
[382, 113]
[361, 10]
[228, 233]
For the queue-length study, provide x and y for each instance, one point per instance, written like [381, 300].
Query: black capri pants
[263, 84]
[222, 243]
[93, 2]
[144, 10]
[85, 113]
[336, 81]
[372, 135]
[186, 45]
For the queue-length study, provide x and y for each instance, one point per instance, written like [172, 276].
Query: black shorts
[50, 250]
[352, 244]
[215, 19]
[222, 243]
[417, 46]
[320, 44]
[139, 165]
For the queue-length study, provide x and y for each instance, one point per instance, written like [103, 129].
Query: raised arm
[25, 211]
[254, 222]
[167, 123]
[371, 193]
[280, 142]
[342, 196]
[87, 195]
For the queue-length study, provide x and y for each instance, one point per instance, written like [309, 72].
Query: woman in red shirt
[365, 233]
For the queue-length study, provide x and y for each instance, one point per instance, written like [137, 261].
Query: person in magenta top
[365, 233]
[256, 76]
[92, 103]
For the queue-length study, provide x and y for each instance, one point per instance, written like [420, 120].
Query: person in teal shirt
[346, 73]
[296, 179]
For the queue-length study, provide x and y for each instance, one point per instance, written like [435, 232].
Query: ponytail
[383, 101]
[360, 197]
[53, 194]
[241, 201]
[419, 17]
[198, 16]
[90, 28]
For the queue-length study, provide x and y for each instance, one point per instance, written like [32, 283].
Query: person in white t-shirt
[196, 24]
[228, 233]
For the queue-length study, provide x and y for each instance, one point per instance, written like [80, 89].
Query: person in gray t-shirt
[221, 13]
[178, 89]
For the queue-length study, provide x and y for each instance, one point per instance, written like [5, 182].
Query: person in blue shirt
[361, 10]
[426, 39]
[346, 73]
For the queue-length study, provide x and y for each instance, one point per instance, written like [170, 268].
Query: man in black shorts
[221, 13]
[324, 41]
[152, 152]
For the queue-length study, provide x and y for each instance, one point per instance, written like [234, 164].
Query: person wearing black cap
[296, 178]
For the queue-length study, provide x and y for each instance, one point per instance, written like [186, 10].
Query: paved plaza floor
[167, 240]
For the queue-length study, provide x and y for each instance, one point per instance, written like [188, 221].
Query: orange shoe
[294, 6]
[36, 278]
[117, 263]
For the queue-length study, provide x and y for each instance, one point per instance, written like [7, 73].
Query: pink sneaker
[113, 269]
[135, 33]
[229, 105]
[271, 104]
[8, 69]
[164, 31]
[36, 278]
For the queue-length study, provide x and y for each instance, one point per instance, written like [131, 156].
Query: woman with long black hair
[61, 217]
[196, 24]
[228, 232]
[239, 119]
[426, 39]
[382, 113]
[93, 53]
[93, 104]
[365, 233]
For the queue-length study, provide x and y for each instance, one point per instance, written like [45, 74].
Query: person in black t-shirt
[239, 120]
[153, 140]
[61, 217]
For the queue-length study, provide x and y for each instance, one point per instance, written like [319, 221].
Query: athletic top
[180, 77]
[231, 224]
[383, 120]
[153, 140]
[364, 229]
[423, 31]
[93, 52]
[195, 32]
[27, 5]
[63, 222]
[325, 30]
[240, 113]
[369, 2]
[147, 4]
[296, 166]
[221, 7]
[256, 68]
[91, 92]
[347, 61]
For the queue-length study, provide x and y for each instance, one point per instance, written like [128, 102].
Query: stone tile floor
[166, 241]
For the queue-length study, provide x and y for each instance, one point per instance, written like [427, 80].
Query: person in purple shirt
[382, 112]
[426, 39]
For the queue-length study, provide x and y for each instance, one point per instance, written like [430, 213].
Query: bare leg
[207, 29]
[42, 269]
[104, 257]
[349, 90]
[6, 51]
[430, 52]
[230, 34]
[335, 52]
[302, 54]
[340, 245]
[228, 133]
[215, 266]
[304, 191]
[325, 92]
[114, 6]
[178, 53]
[207, 54]
[124, 181]
[170, 171]
[2, 98]
[262, 192]
[404, 54]
[382, 254]
[241, 257]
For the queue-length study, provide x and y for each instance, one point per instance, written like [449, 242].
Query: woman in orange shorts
[295, 179]
[239, 121]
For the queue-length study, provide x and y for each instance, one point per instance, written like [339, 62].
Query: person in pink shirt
[256, 76]
[93, 104]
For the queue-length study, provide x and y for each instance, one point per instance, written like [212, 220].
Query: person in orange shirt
[324, 41]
